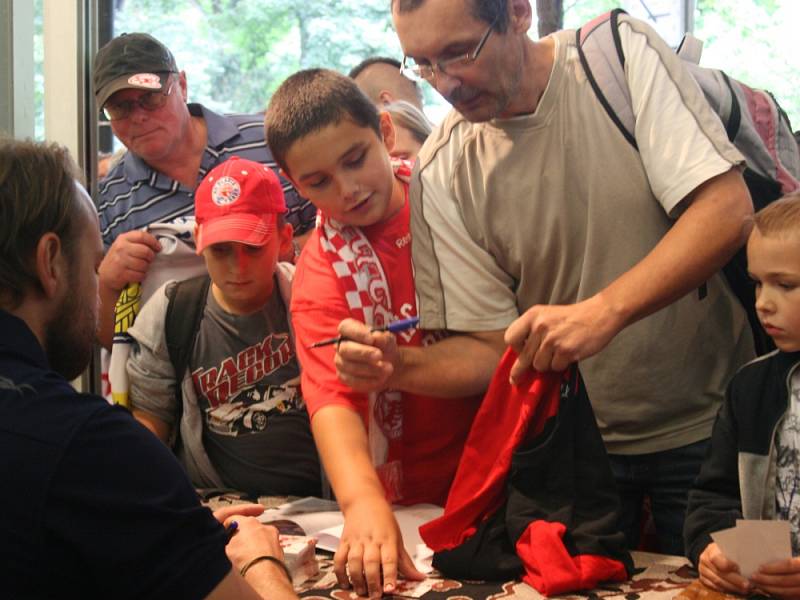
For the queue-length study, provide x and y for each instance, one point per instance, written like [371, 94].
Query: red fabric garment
[502, 423]
[510, 417]
[551, 570]
[433, 429]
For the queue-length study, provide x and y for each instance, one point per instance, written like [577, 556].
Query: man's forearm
[713, 227]
[460, 365]
[269, 580]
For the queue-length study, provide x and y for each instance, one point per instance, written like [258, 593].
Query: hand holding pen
[370, 358]
[393, 327]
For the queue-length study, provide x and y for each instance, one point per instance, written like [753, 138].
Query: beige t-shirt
[549, 208]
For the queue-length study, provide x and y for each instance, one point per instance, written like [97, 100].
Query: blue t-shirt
[93, 504]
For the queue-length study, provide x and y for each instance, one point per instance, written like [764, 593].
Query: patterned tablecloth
[657, 577]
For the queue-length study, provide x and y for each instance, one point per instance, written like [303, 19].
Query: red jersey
[433, 429]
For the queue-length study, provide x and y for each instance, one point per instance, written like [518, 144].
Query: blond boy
[753, 468]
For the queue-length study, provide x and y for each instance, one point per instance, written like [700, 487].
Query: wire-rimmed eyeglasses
[445, 65]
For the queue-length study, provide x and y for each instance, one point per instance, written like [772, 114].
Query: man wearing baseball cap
[237, 409]
[171, 145]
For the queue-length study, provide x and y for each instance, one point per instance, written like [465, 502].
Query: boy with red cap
[237, 410]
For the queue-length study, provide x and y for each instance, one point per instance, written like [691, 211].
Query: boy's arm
[458, 366]
[150, 372]
[371, 542]
[715, 499]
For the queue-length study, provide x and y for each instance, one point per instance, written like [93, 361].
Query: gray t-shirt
[551, 207]
[255, 425]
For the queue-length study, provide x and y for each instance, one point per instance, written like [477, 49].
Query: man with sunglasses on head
[171, 145]
[536, 225]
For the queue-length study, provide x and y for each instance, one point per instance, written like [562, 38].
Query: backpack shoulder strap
[600, 52]
[187, 299]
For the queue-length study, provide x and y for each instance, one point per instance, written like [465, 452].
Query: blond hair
[409, 116]
[780, 218]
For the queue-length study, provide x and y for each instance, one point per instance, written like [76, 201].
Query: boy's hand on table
[367, 360]
[780, 579]
[720, 573]
[372, 549]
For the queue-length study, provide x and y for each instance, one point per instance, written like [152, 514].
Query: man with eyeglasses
[537, 225]
[171, 145]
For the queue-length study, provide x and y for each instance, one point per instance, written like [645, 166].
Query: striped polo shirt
[133, 195]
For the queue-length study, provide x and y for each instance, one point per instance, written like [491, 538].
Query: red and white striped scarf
[363, 281]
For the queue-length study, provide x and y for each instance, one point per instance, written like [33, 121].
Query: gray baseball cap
[131, 60]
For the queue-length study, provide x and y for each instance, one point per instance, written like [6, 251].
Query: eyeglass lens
[149, 101]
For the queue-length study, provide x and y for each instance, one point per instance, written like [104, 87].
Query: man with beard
[537, 225]
[93, 505]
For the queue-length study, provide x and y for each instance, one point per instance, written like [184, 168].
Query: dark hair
[38, 195]
[375, 60]
[310, 100]
[488, 11]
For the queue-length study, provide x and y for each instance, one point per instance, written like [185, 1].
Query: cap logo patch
[146, 80]
[225, 191]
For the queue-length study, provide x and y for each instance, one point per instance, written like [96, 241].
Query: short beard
[69, 338]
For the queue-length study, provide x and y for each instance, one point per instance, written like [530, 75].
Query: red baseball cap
[238, 201]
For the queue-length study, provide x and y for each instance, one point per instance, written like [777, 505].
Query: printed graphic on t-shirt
[240, 397]
[787, 446]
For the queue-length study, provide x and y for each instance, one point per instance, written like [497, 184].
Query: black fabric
[93, 505]
[185, 309]
[562, 475]
[755, 401]
[187, 301]
[488, 555]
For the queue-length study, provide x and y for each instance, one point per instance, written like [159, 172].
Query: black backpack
[185, 308]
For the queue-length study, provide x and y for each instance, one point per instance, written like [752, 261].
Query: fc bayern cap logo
[225, 191]
[150, 80]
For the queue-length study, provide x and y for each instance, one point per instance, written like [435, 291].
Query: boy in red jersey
[399, 445]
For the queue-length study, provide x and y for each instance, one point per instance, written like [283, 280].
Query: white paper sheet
[326, 526]
[753, 543]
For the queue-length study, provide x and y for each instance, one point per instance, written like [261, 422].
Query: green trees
[754, 41]
[236, 52]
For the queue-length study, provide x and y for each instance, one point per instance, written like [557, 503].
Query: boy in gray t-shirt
[242, 422]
